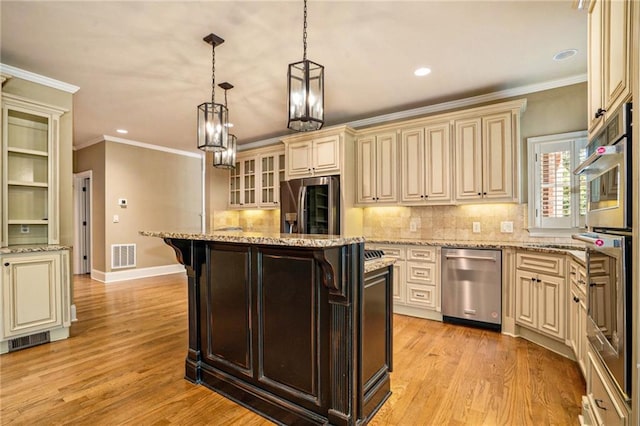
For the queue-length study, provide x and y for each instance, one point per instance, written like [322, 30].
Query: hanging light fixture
[226, 159]
[212, 117]
[306, 90]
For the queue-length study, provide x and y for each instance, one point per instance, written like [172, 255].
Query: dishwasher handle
[451, 256]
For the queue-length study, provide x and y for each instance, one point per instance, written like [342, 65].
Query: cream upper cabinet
[609, 58]
[485, 160]
[376, 174]
[255, 181]
[316, 157]
[426, 171]
[29, 172]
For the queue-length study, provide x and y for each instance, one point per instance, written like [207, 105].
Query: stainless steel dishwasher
[472, 287]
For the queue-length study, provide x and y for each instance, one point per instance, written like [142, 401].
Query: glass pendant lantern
[226, 159]
[213, 118]
[305, 86]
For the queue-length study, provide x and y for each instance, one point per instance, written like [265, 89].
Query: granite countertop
[572, 248]
[372, 265]
[262, 238]
[34, 248]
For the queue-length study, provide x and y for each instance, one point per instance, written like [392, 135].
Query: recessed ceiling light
[123, 131]
[422, 72]
[564, 54]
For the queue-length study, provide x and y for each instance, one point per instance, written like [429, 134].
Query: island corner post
[297, 333]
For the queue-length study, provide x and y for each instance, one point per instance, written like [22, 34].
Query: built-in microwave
[608, 173]
[609, 326]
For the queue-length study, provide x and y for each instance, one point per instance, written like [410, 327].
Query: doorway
[82, 201]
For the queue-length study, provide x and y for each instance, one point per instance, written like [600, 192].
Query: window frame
[574, 142]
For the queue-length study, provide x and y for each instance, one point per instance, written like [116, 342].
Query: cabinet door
[468, 159]
[526, 299]
[551, 306]
[386, 167]
[269, 182]
[497, 156]
[595, 98]
[437, 163]
[413, 165]
[574, 321]
[398, 290]
[249, 182]
[366, 173]
[326, 155]
[31, 293]
[235, 191]
[299, 158]
[617, 39]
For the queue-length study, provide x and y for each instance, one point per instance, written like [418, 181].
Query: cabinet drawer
[578, 276]
[599, 267]
[421, 273]
[425, 254]
[605, 405]
[389, 251]
[541, 263]
[421, 296]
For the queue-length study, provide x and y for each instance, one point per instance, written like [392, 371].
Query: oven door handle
[597, 240]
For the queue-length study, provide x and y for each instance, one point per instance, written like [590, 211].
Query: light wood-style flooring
[124, 364]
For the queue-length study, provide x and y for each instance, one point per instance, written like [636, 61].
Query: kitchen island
[290, 326]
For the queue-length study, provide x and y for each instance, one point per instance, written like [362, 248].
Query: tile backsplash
[453, 223]
[248, 220]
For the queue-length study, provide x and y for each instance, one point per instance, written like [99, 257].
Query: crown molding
[37, 78]
[107, 138]
[475, 100]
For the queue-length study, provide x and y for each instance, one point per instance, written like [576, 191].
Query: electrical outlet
[414, 224]
[506, 227]
[476, 227]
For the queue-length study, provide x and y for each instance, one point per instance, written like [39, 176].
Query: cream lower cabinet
[376, 169]
[416, 280]
[577, 330]
[35, 296]
[426, 164]
[540, 293]
[606, 407]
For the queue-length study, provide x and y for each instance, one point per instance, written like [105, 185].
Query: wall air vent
[28, 341]
[123, 256]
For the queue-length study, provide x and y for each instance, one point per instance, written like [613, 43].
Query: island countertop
[262, 238]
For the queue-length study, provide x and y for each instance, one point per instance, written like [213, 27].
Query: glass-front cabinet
[255, 181]
[29, 172]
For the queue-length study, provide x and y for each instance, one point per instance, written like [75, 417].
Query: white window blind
[557, 198]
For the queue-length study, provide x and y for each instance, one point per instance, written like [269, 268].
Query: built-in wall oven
[608, 264]
[608, 245]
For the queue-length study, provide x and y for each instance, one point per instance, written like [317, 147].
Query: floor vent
[28, 341]
[123, 256]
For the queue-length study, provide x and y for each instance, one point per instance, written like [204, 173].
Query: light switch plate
[476, 227]
[506, 227]
[116, 218]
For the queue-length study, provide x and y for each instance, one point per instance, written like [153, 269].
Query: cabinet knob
[539, 280]
[426, 196]
[479, 193]
[575, 299]
[6, 263]
[484, 193]
[600, 112]
[600, 404]
[422, 196]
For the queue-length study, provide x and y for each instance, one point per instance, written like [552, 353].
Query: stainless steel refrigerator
[310, 205]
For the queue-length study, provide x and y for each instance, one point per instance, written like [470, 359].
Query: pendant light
[212, 117]
[226, 159]
[306, 90]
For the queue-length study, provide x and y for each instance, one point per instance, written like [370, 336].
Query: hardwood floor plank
[124, 364]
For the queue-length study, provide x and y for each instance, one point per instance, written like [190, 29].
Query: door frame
[78, 179]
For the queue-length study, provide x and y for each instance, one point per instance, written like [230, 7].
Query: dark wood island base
[290, 327]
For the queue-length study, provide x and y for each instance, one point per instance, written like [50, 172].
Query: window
[557, 198]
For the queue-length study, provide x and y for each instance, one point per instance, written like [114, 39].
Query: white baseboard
[132, 274]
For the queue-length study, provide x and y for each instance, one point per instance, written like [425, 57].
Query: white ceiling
[143, 66]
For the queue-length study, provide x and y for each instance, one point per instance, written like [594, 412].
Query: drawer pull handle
[491, 259]
[419, 295]
[599, 404]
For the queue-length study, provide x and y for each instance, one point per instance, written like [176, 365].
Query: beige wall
[163, 192]
[92, 158]
[48, 95]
